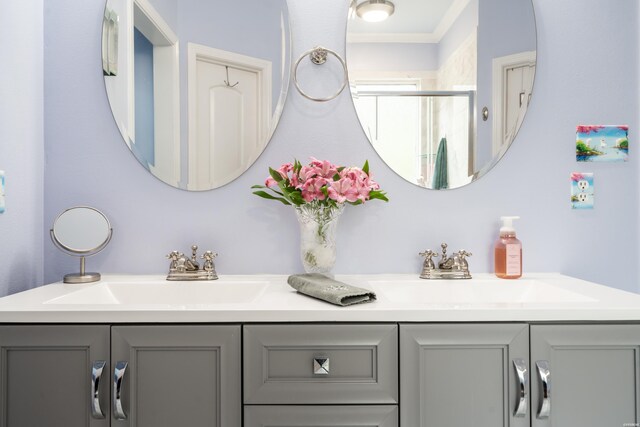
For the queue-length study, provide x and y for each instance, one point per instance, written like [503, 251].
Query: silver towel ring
[318, 55]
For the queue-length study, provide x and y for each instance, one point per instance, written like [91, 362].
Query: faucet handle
[209, 255]
[208, 264]
[462, 254]
[428, 254]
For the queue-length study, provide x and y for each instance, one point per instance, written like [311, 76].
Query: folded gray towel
[322, 287]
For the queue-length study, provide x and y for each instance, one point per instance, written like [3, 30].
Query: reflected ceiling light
[375, 10]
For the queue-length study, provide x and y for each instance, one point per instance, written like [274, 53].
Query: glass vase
[318, 225]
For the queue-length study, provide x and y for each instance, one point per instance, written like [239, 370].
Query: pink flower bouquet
[319, 192]
[320, 182]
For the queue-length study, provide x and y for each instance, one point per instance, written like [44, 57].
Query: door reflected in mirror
[421, 78]
[196, 87]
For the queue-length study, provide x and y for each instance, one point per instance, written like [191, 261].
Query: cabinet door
[45, 376]
[325, 416]
[593, 375]
[177, 376]
[463, 374]
[321, 364]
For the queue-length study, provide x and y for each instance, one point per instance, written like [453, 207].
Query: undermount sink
[476, 292]
[165, 293]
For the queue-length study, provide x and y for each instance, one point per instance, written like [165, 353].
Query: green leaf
[296, 198]
[258, 186]
[325, 190]
[365, 168]
[266, 195]
[376, 194]
[340, 169]
[275, 175]
[336, 177]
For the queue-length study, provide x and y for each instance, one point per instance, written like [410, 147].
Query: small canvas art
[598, 143]
[582, 191]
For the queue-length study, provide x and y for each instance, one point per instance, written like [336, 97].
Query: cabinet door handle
[96, 374]
[545, 378]
[118, 377]
[523, 387]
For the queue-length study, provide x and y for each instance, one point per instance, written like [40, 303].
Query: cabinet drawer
[313, 416]
[320, 364]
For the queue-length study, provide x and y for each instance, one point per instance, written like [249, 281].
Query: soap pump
[508, 251]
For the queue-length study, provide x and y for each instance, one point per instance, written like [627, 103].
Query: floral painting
[582, 191]
[598, 143]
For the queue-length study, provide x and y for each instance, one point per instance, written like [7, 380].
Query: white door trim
[197, 52]
[166, 90]
[499, 85]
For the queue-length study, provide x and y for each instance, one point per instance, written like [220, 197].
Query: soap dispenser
[508, 251]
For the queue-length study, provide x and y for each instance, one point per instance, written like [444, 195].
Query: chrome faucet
[184, 268]
[454, 267]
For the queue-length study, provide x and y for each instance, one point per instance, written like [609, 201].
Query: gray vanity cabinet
[177, 376]
[593, 375]
[455, 375]
[321, 364]
[325, 416]
[46, 372]
[321, 375]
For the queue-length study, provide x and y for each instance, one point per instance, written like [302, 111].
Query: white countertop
[268, 298]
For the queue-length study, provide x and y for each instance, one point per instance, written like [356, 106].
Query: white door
[227, 123]
[519, 83]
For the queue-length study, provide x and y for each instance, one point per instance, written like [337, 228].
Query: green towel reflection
[440, 174]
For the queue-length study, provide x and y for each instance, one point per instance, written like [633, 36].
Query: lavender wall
[21, 145]
[87, 163]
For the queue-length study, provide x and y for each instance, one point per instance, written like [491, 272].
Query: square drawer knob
[320, 365]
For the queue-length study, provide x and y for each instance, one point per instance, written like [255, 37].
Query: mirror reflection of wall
[200, 84]
[419, 78]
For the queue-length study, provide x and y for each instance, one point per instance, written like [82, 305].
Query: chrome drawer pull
[118, 377]
[545, 378]
[96, 374]
[320, 365]
[523, 387]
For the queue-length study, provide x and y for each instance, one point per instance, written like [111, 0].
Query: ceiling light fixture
[375, 10]
[352, 9]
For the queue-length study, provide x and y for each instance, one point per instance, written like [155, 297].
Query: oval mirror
[441, 87]
[196, 87]
[81, 231]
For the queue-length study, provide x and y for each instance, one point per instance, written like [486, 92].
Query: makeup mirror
[81, 231]
[441, 87]
[196, 87]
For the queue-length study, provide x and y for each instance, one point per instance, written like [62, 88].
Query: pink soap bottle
[508, 251]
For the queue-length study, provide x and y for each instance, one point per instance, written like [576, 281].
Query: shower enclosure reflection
[419, 78]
